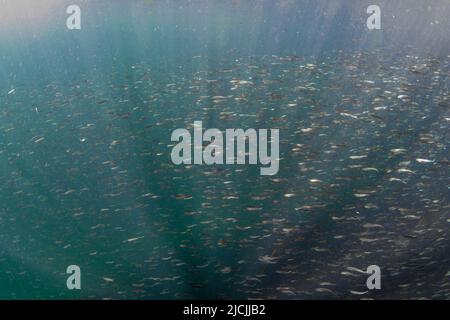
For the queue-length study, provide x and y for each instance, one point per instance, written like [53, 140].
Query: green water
[87, 179]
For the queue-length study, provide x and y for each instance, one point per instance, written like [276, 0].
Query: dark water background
[127, 76]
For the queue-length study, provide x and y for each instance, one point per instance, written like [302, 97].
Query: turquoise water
[87, 179]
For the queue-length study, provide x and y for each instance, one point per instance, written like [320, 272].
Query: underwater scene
[238, 149]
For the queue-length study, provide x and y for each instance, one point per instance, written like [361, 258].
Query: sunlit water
[86, 175]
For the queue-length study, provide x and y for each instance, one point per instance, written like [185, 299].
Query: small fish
[289, 195]
[403, 97]
[348, 115]
[225, 270]
[358, 157]
[361, 195]
[419, 160]
[404, 170]
[268, 259]
[358, 292]
[133, 239]
[356, 269]
[372, 225]
[325, 290]
[398, 151]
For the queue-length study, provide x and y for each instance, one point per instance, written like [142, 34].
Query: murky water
[85, 148]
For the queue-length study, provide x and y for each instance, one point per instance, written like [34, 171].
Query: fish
[420, 160]
[359, 293]
[363, 177]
